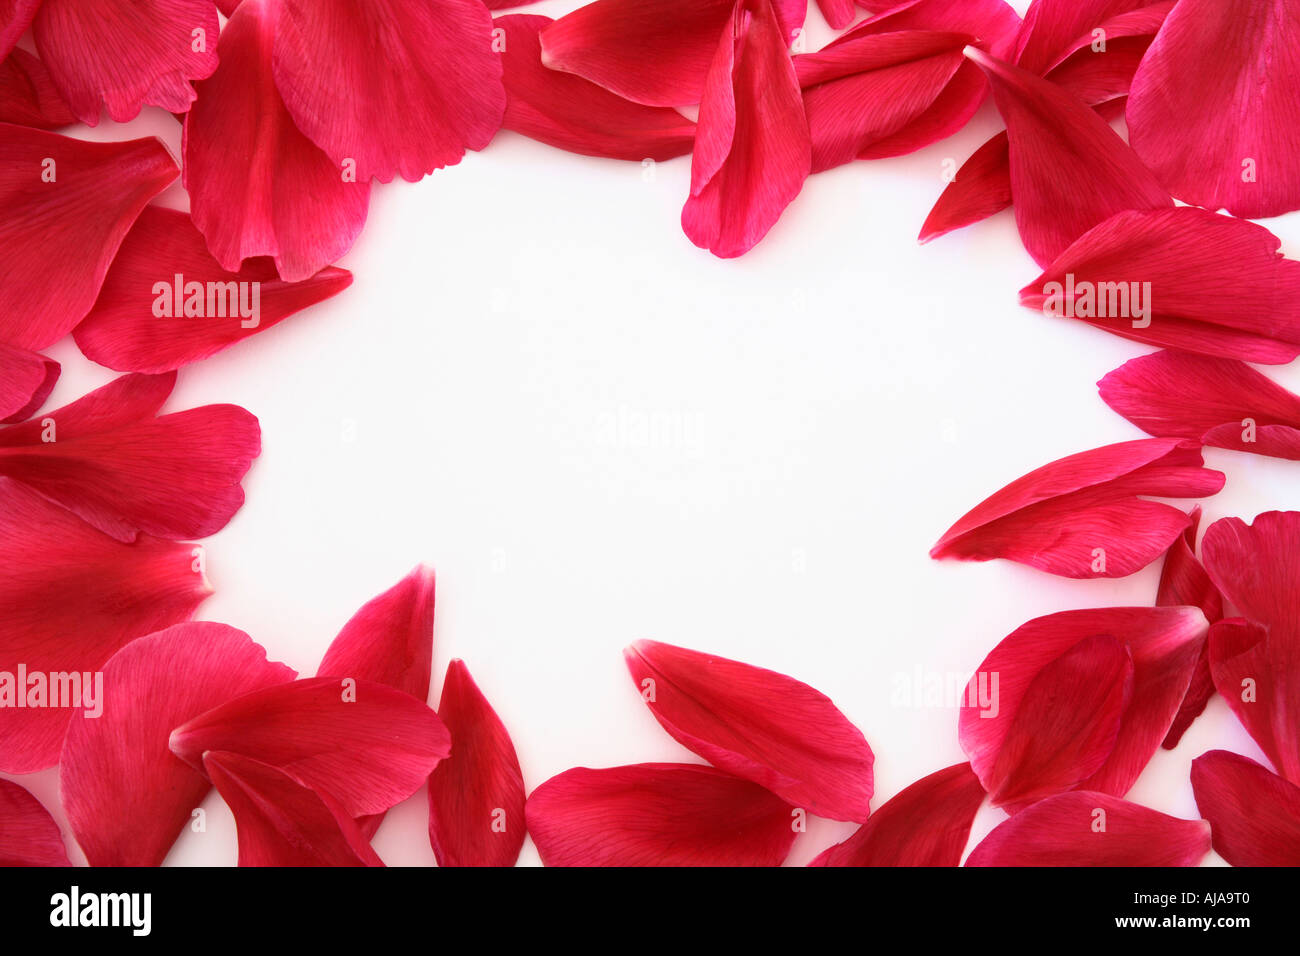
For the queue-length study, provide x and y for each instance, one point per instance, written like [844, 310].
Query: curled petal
[1057, 30]
[28, 96]
[26, 380]
[1254, 814]
[979, 189]
[838, 13]
[658, 814]
[759, 725]
[28, 834]
[126, 795]
[15, 17]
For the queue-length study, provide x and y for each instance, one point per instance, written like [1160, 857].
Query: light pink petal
[28, 96]
[28, 834]
[26, 380]
[1254, 814]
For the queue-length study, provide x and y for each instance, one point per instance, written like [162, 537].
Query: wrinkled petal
[126, 795]
[1081, 516]
[60, 235]
[1083, 828]
[71, 597]
[658, 814]
[368, 745]
[28, 834]
[99, 54]
[927, 824]
[1254, 814]
[752, 149]
[398, 88]
[15, 17]
[28, 96]
[564, 110]
[26, 380]
[476, 796]
[759, 725]
[1214, 105]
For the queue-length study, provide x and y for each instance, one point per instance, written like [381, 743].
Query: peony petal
[759, 725]
[927, 824]
[28, 96]
[1254, 814]
[99, 54]
[126, 795]
[406, 87]
[15, 17]
[752, 149]
[62, 233]
[838, 13]
[177, 476]
[1082, 828]
[569, 112]
[1210, 284]
[658, 814]
[981, 188]
[28, 834]
[1080, 516]
[73, 596]
[476, 796]
[1069, 170]
[368, 745]
[281, 822]
[1057, 30]
[26, 380]
[123, 330]
[1213, 110]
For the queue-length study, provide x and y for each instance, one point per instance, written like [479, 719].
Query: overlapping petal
[1254, 814]
[28, 96]
[26, 380]
[28, 834]
[15, 17]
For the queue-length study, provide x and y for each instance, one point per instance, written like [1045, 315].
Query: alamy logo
[1098, 300]
[212, 300]
[74, 908]
[56, 689]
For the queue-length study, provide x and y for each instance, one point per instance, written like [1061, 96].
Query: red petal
[838, 13]
[60, 236]
[368, 745]
[281, 822]
[1080, 517]
[15, 17]
[1221, 402]
[752, 150]
[28, 96]
[1219, 87]
[1082, 828]
[759, 725]
[1213, 284]
[1254, 814]
[28, 834]
[979, 189]
[398, 87]
[927, 824]
[26, 380]
[569, 112]
[126, 795]
[175, 477]
[476, 796]
[1056, 30]
[98, 53]
[658, 814]
[72, 596]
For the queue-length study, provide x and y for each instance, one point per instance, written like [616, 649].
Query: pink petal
[280, 821]
[368, 745]
[28, 834]
[981, 188]
[758, 725]
[838, 13]
[476, 796]
[752, 149]
[1057, 30]
[26, 380]
[73, 596]
[1254, 814]
[927, 824]
[126, 795]
[658, 814]
[28, 96]
[564, 110]
[97, 53]
[1218, 89]
[15, 17]
[400, 88]
[1080, 516]
[60, 236]
[1082, 828]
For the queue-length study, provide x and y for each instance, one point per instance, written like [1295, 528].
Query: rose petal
[981, 188]
[658, 814]
[28, 834]
[26, 380]
[28, 96]
[759, 725]
[1254, 814]
[15, 17]
[838, 13]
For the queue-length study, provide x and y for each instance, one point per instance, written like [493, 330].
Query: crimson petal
[28, 834]
[26, 380]
[15, 17]
[1254, 814]
[28, 96]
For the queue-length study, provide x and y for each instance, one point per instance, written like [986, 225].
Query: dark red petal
[564, 110]
[1083, 828]
[368, 745]
[658, 814]
[71, 597]
[1218, 89]
[281, 822]
[752, 149]
[28, 834]
[1254, 814]
[26, 380]
[927, 824]
[28, 96]
[97, 53]
[759, 725]
[476, 796]
[126, 795]
[399, 88]
[15, 17]
[60, 236]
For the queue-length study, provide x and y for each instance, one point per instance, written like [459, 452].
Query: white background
[597, 433]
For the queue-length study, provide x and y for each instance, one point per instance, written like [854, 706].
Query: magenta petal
[28, 834]
[28, 96]
[1254, 814]
[15, 17]
[26, 380]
